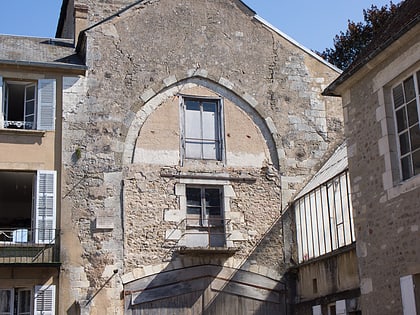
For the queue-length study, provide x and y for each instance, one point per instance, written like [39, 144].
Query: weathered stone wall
[386, 212]
[116, 202]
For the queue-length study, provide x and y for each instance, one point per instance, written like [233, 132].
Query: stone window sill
[207, 250]
[22, 132]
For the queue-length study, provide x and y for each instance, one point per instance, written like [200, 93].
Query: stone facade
[386, 207]
[124, 175]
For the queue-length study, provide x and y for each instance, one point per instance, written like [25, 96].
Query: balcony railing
[29, 246]
[18, 124]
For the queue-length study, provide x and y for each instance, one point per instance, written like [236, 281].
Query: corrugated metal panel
[336, 164]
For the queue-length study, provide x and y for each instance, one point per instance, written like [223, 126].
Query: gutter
[51, 65]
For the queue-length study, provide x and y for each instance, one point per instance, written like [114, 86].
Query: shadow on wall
[207, 284]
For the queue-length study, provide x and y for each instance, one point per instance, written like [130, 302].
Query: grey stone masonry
[124, 195]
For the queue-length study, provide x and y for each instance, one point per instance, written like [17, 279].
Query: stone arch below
[156, 100]
[203, 285]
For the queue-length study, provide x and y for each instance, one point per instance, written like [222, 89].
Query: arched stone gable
[223, 87]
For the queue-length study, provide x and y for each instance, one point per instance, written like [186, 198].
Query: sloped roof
[43, 52]
[335, 165]
[405, 18]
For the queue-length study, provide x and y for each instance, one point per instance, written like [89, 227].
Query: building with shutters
[32, 73]
[381, 99]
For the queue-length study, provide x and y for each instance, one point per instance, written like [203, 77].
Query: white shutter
[316, 310]
[45, 207]
[1, 103]
[46, 104]
[44, 300]
[340, 307]
[407, 294]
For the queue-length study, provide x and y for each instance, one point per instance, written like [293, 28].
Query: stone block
[147, 95]
[173, 235]
[172, 216]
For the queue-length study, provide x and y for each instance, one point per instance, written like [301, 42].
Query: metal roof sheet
[335, 165]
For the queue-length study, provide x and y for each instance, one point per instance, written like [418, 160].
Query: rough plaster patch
[361, 249]
[366, 285]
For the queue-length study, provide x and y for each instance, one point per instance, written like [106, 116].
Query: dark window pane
[406, 167]
[193, 196]
[193, 210]
[401, 119]
[418, 80]
[209, 107]
[409, 90]
[30, 92]
[192, 105]
[212, 198]
[214, 211]
[398, 96]
[5, 297]
[416, 162]
[412, 112]
[30, 108]
[404, 143]
[415, 137]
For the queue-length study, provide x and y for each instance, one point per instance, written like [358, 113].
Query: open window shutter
[45, 207]
[44, 301]
[46, 104]
[407, 295]
[340, 307]
[29, 108]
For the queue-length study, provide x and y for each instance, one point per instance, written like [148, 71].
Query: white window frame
[201, 140]
[205, 219]
[44, 104]
[15, 297]
[415, 75]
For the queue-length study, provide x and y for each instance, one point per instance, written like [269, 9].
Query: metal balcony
[29, 246]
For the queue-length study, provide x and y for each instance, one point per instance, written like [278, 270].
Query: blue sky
[311, 23]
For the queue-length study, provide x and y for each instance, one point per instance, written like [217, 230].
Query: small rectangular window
[205, 225]
[28, 104]
[204, 206]
[405, 97]
[202, 129]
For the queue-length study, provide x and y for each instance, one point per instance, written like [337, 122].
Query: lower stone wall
[253, 214]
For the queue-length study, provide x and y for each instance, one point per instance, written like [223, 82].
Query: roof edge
[54, 65]
[296, 43]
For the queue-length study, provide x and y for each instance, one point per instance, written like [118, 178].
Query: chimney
[80, 20]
